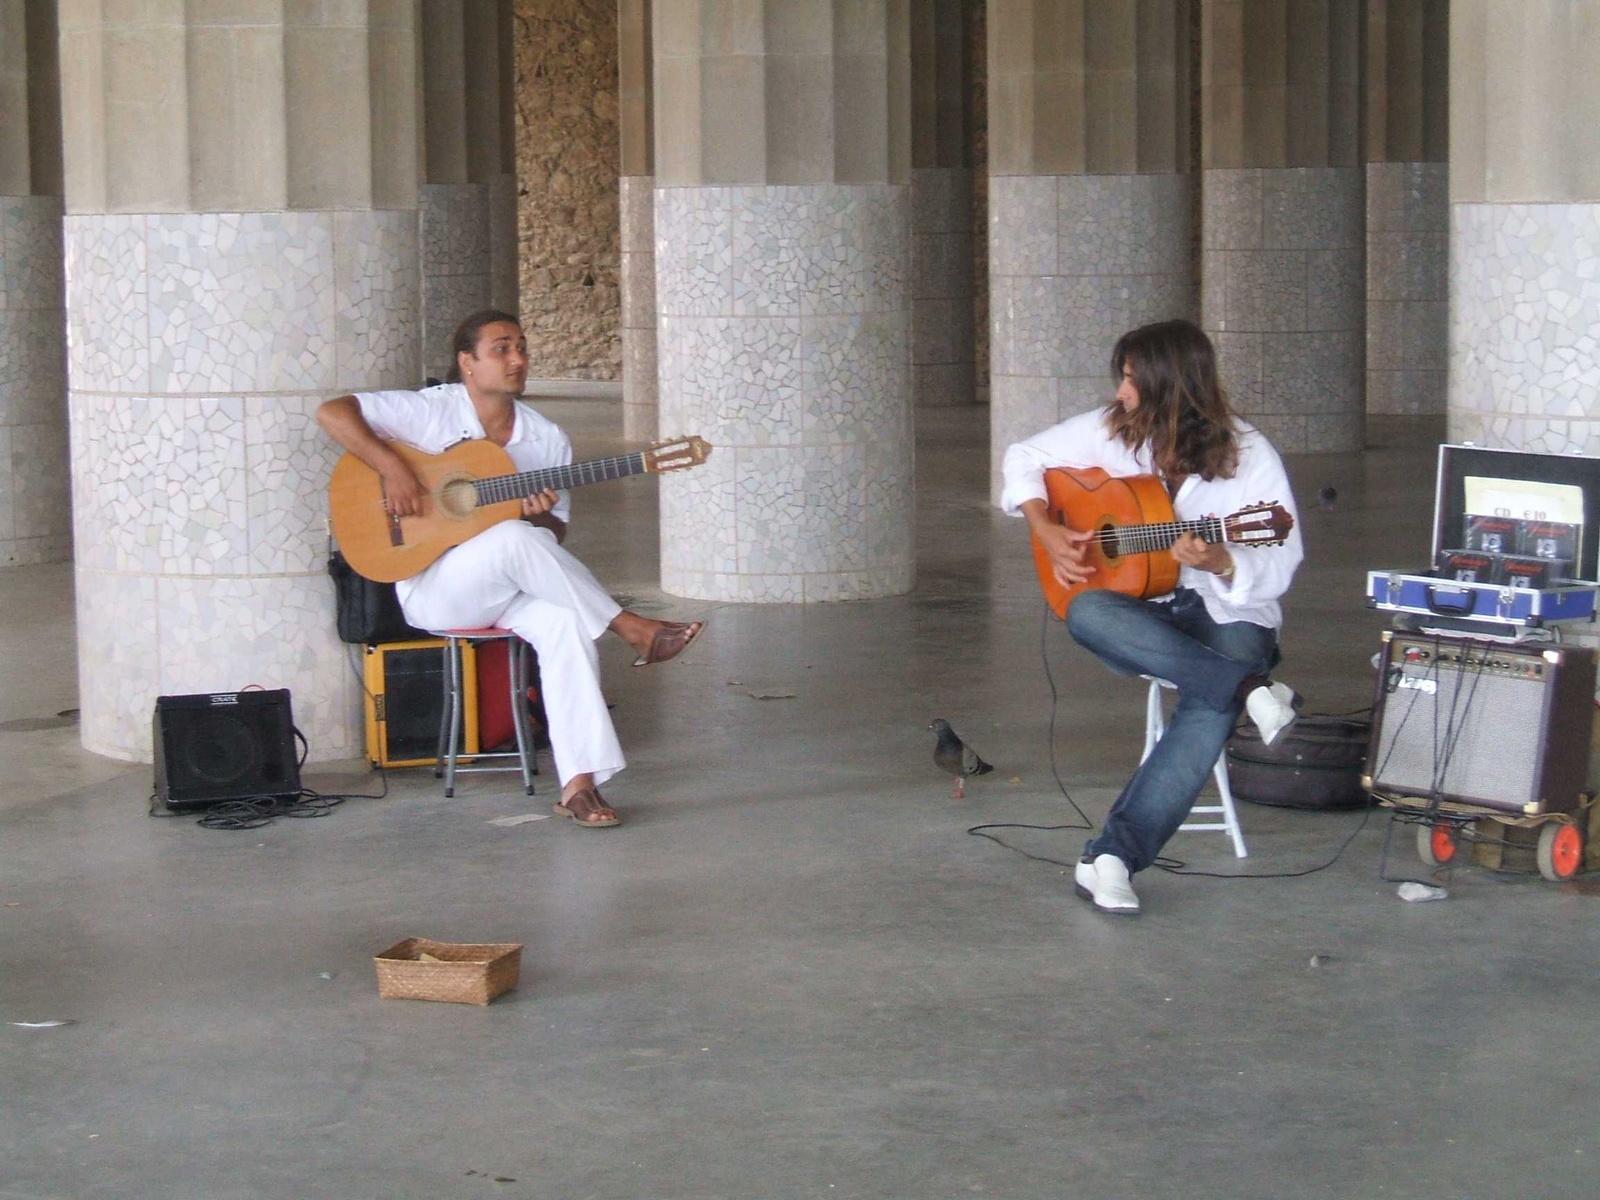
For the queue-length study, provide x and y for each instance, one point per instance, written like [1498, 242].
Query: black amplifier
[1502, 726]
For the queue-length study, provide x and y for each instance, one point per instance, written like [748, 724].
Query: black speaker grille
[218, 749]
[210, 748]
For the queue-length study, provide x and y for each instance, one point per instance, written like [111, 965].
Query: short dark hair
[465, 338]
[1183, 413]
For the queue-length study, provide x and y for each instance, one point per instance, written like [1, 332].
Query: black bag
[1315, 765]
[368, 612]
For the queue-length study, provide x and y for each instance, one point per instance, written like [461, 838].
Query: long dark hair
[1183, 414]
[466, 337]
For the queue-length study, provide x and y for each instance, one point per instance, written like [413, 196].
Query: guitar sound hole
[457, 498]
[1108, 542]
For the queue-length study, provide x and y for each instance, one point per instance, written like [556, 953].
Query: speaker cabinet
[1503, 727]
[223, 746]
[405, 702]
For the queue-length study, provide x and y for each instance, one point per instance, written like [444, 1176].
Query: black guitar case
[1316, 765]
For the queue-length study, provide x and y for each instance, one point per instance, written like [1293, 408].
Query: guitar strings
[510, 487]
[1136, 539]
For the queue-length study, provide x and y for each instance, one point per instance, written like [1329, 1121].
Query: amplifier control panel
[1475, 659]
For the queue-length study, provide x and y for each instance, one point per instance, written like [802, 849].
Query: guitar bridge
[397, 536]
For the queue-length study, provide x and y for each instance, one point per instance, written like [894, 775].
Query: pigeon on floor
[955, 758]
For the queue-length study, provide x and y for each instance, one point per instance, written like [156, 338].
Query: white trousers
[518, 577]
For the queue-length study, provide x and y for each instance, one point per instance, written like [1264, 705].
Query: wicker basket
[469, 974]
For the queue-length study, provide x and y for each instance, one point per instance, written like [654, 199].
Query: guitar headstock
[1261, 524]
[676, 455]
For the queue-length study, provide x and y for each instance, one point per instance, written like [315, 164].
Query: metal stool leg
[444, 711]
[453, 650]
[517, 670]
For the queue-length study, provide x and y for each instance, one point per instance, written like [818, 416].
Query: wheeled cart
[1556, 844]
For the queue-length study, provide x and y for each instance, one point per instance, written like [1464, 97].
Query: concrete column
[1088, 198]
[1408, 211]
[636, 193]
[467, 198]
[1282, 210]
[1525, 225]
[35, 506]
[782, 236]
[942, 349]
[241, 244]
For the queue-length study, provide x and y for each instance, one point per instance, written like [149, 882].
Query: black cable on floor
[252, 812]
[1055, 700]
[1172, 866]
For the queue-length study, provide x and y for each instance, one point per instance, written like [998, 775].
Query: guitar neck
[1141, 539]
[500, 488]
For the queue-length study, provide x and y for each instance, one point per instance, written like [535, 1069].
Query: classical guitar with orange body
[468, 488]
[1134, 528]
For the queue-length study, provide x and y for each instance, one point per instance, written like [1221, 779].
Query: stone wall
[567, 168]
[977, 15]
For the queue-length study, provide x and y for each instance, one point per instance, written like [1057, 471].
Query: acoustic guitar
[468, 488]
[1134, 528]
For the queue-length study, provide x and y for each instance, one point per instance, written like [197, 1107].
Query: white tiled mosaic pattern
[1282, 295]
[1075, 262]
[1525, 326]
[34, 513]
[454, 222]
[783, 339]
[200, 512]
[637, 275]
[1408, 264]
[942, 349]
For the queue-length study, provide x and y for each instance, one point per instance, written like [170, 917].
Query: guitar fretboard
[1141, 539]
[500, 488]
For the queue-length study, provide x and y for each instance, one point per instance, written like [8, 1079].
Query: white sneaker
[1105, 882]
[1272, 709]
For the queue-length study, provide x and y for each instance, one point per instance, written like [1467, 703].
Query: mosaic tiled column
[1525, 226]
[234, 256]
[782, 235]
[1089, 205]
[1408, 211]
[636, 267]
[942, 348]
[467, 198]
[35, 509]
[1282, 225]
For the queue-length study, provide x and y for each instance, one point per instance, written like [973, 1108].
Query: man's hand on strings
[540, 503]
[1192, 550]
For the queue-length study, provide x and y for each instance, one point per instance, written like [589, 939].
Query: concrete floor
[790, 973]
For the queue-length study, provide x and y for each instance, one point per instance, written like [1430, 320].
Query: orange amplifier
[405, 702]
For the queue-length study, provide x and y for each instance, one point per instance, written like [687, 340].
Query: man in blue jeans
[1216, 636]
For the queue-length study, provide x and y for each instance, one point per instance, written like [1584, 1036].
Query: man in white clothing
[1216, 635]
[515, 574]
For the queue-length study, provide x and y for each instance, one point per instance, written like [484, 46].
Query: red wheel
[1560, 851]
[1436, 844]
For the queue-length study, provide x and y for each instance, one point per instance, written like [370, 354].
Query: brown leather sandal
[588, 810]
[671, 640]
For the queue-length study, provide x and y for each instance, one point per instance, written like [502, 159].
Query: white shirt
[436, 418]
[1261, 574]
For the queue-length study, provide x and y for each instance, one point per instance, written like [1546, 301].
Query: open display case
[1516, 537]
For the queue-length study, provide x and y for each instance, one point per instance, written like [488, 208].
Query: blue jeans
[1179, 642]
